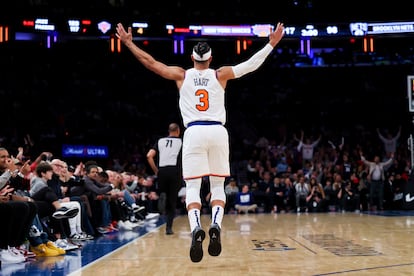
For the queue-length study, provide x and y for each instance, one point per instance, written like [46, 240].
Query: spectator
[330, 195]
[69, 178]
[148, 196]
[389, 141]
[39, 241]
[307, 147]
[376, 176]
[98, 196]
[17, 218]
[262, 192]
[302, 191]
[277, 194]
[39, 190]
[123, 205]
[289, 198]
[245, 202]
[231, 190]
[316, 200]
[75, 230]
[347, 196]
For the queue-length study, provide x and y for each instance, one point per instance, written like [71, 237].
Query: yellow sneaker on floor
[53, 246]
[43, 251]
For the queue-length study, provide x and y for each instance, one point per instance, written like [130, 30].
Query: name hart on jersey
[201, 81]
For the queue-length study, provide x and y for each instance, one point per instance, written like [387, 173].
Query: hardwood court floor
[274, 244]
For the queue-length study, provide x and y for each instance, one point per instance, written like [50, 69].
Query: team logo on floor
[340, 246]
[270, 245]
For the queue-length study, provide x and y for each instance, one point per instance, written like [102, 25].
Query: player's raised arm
[168, 72]
[231, 72]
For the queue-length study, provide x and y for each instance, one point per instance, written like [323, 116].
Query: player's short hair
[201, 51]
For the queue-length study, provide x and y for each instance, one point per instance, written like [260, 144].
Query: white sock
[194, 218]
[133, 205]
[217, 213]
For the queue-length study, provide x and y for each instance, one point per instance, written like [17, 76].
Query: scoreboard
[103, 27]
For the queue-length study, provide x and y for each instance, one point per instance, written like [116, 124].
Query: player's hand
[124, 36]
[277, 35]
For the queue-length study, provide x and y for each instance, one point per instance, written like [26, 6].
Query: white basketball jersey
[202, 97]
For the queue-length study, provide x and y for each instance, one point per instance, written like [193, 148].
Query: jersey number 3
[202, 95]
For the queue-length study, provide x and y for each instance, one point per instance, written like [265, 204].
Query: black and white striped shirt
[169, 149]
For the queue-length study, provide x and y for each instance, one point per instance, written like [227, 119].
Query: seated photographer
[316, 200]
[347, 196]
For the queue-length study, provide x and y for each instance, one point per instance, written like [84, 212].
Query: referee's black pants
[169, 182]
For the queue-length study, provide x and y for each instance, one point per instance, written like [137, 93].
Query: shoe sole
[214, 247]
[138, 209]
[78, 239]
[69, 214]
[42, 254]
[196, 250]
[71, 248]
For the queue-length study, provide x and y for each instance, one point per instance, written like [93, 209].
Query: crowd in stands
[318, 175]
[50, 208]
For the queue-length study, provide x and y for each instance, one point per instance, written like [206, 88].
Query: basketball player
[205, 142]
[169, 171]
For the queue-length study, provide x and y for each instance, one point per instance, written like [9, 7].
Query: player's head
[201, 52]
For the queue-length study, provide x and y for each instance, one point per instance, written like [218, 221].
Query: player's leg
[219, 169]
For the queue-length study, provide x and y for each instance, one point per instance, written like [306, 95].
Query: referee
[169, 171]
